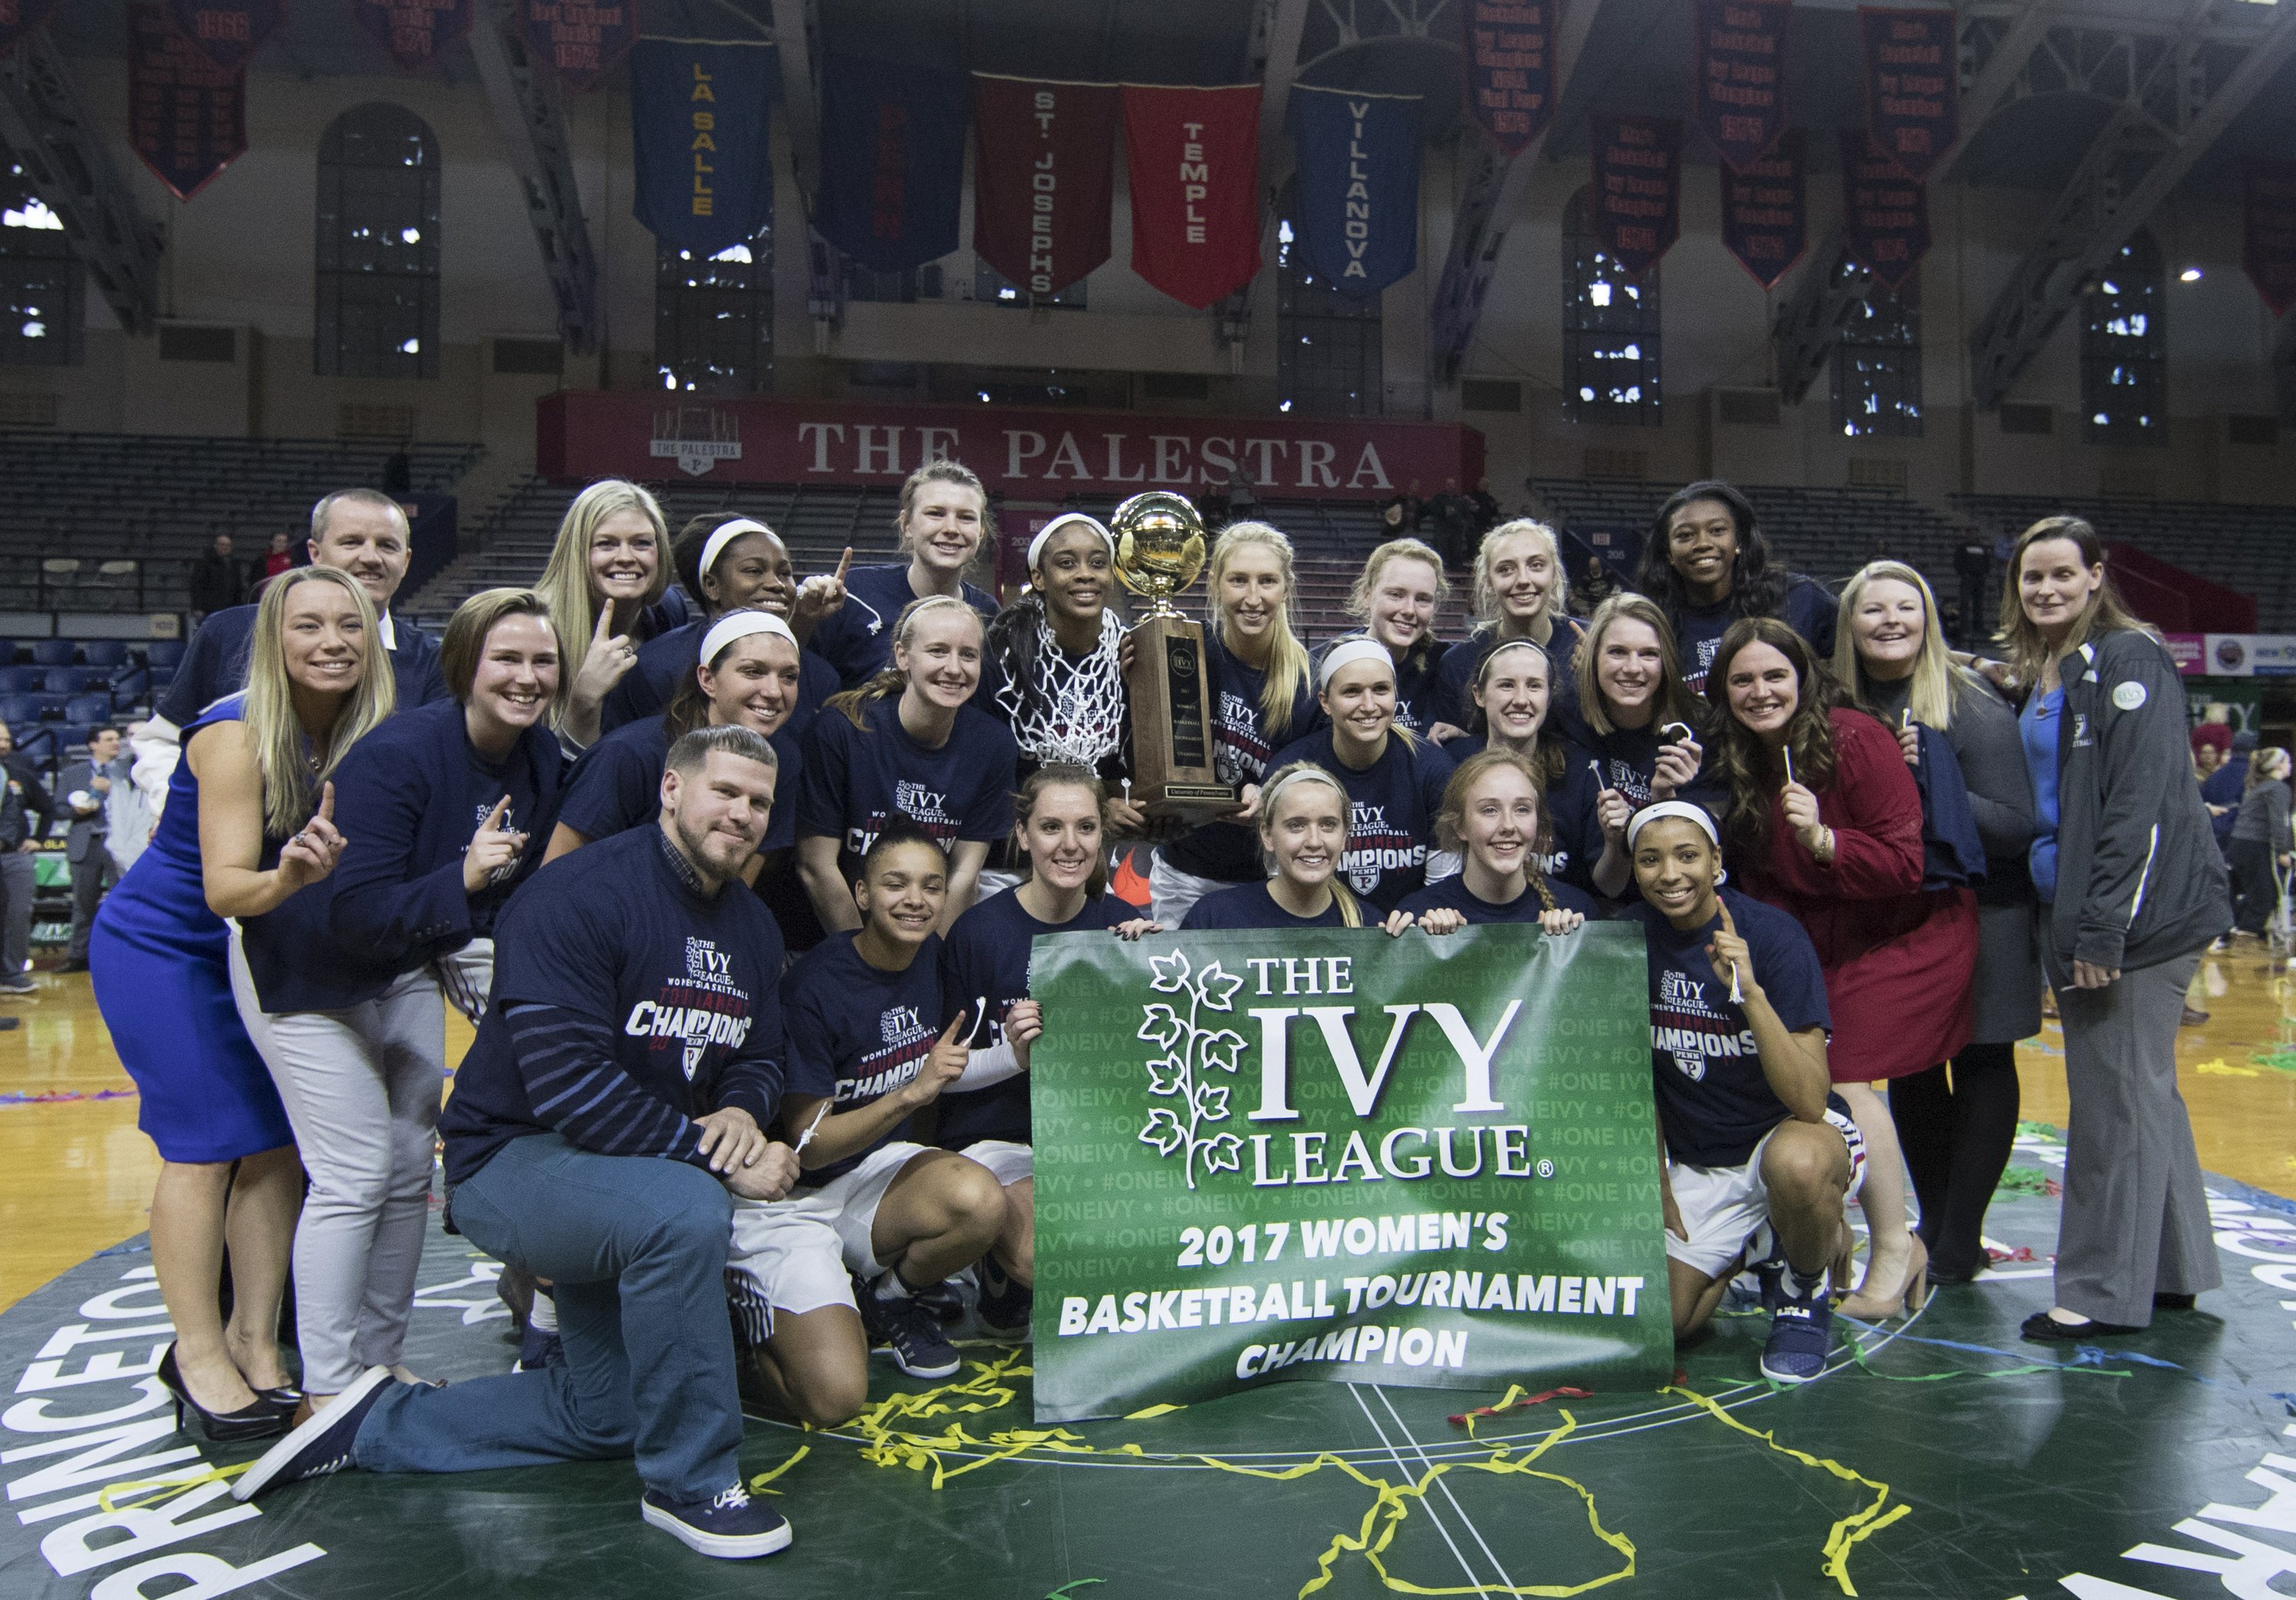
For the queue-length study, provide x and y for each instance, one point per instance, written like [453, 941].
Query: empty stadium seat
[22, 680]
[52, 652]
[103, 652]
[164, 653]
[87, 708]
[72, 680]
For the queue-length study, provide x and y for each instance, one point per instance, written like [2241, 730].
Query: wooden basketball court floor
[1939, 1457]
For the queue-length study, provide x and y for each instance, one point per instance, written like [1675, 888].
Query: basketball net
[1077, 716]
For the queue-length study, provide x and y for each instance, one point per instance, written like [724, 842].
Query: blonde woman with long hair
[2128, 866]
[248, 826]
[1520, 594]
[606, 575]
[1395, 598]
[1262, 698]
[1958, 1125]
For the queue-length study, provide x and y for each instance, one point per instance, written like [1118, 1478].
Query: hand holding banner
[1335, 1156]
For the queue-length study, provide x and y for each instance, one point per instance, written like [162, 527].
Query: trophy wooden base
[1188, 804]
[1171, 725]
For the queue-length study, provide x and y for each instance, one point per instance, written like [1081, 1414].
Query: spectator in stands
[1398, 515]
[1487, 506]
[1597, 584]
[277, 558]
[24, 811]
[1706, 563]
[604, 584]
[86, 787]
[1450, 519]
[2260, 841]
[218, 582]
[1972, 563]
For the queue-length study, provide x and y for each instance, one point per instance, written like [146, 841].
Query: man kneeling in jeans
[630, 1056]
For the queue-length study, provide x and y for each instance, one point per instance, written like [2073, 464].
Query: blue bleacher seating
[88, 708]
[52, 652]
[7, 653]
[19, 709]
[47, 707]
[103, 652]
[21, 680]
[75, 735]
[74, 680]
[164, 653]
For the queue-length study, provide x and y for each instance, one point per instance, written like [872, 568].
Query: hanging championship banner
[1042, 185]
[416, 32]
[1305, 1155]
[2267, 247]
[1913, 84]
[1358, 185]
[1192, 159]
[17, 18]
[579, 38]
[698, 132]
[1638, 199]
[1766, 212]
[892, 160]
[1885, 215]
[1738, 80]
[187, 116]
[227, 32]
[1507, 49]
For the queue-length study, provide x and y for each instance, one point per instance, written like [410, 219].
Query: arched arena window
[41, 281]
[378, 246]
[2124, 349]
[713, 318]
[1877, 364]
[1610, 331]
[1327, 344]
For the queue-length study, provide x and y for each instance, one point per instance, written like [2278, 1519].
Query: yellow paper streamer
[1147, 1412]
[1848, 1531]
[758, 1484]
[108, 1496]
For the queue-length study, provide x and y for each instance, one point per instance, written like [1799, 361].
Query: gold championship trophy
[1159, 549]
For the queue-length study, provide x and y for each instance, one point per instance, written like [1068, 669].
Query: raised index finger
[605, 629]
[1728, 926]
[844, 562]
[327, 801]
[955, 1030]
[493, 825]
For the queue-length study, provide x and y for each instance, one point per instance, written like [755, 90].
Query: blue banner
[1358, 186]
[698, 129]
[892, 160]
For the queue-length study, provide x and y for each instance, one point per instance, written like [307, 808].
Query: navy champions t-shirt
[1229, 851]
[1418, 698]
[617, 784]
[1714, 1101]
[684, 986]
[1454, 702]
[1251, 905]
[1391, 812]
[1571, 807]
[984, 968]
[856, 780]
[665, 663]
[856, 1033]
[856, 639]
[1452, 894]
[1808, 607]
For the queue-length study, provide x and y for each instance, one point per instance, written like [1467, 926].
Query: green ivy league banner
[1339, 1156]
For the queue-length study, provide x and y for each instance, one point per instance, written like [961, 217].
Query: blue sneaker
[539, 1348]
[943, 1301]
[910, 1332]
[730, 1526]
[322, 1445]
[1801, 1332]
[1006, 1304]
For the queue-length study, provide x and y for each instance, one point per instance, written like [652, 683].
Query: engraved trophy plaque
[1159, 549]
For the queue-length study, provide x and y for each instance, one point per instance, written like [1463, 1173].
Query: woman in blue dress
[248, 824]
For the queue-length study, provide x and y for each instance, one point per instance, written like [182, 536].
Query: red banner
[1885, 215]
[1507, 49]
[2268, 246]
[187, 116]
[228, 32]
[1765, 211]
[1637, 199]
[579, 38]
[17, 18]
[1028, 455]
[1193, 156]
[416, 32]
[1913, 84]
[1042, 184]
[1738, 76]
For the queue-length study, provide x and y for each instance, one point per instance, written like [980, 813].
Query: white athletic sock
[890, 1287]
[544, 1316]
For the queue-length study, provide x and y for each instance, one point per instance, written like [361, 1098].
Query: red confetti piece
[1540, 1399]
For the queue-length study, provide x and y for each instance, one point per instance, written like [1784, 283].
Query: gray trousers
[2136, 1219]
[362, 1089]
[16, 888]
[89, 879]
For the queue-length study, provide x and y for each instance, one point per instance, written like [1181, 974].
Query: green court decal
[1333, 1156]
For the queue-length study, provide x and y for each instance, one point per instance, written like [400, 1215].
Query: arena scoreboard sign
[1030, 455]
[1334, 1156]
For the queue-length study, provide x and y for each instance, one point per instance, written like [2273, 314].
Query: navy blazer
[216, 665]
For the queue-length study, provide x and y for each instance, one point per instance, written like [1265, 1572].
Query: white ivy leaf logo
[1164, 1131]
[1191, 1050]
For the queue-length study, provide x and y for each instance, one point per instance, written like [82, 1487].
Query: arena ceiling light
[2191, 275]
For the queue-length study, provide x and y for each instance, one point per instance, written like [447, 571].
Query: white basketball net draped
[1078, 716]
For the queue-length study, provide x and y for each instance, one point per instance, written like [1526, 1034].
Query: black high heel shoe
[262, 1420]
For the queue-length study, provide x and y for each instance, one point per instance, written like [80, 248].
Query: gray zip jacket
[2140, 879]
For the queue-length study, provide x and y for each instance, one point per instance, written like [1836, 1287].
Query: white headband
[725, 534]
[741, 625]
[1302, 771]
[1346, 652]
[1036, 544]
[1663, 810]
[1483, 671]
